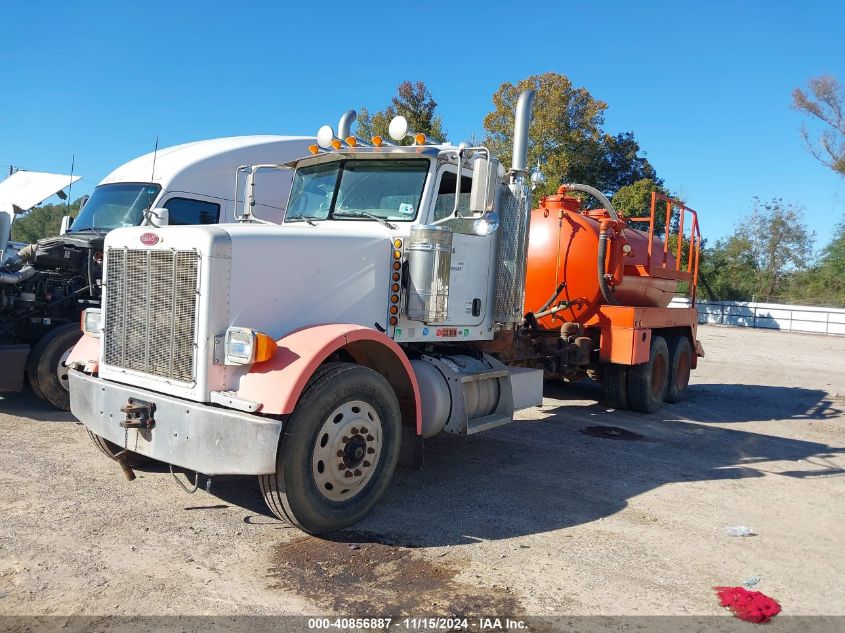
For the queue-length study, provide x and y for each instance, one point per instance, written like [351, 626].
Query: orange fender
[87, 352]
[278, 383]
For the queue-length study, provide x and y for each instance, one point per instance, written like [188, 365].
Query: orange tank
[563, 249]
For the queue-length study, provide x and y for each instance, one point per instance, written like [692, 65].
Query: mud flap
[12, 365]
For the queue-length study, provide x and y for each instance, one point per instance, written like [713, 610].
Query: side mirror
[157, 217]
[484, 177]
[66, 222]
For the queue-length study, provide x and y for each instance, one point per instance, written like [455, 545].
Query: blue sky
[705, 87]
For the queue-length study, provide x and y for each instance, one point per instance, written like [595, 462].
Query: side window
[445, 203]
[189, 211]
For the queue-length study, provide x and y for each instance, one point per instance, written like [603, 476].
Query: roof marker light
[377, 141]
[314, 149]
[419, 138]
[398, 128]
[325, 136]
[351, 141]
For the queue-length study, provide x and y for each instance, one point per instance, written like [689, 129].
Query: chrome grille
[150, 311]
[511, 255]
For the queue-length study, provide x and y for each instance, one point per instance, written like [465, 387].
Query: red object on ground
[751, 606]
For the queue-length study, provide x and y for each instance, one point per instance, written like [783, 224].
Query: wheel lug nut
[370, 450]
[370, 438]
[363, 431]
[344, 439]
[357, 472]
[348, 473]
[354, 431]
[341, 466]
[367, 464]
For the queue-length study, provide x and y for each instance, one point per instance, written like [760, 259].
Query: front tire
[338, 450]
[48, 376]
[110, 450]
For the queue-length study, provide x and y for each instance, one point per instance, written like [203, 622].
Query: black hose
[606, 291]
[598, 195]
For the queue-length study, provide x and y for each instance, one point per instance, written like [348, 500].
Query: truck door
[471, 256]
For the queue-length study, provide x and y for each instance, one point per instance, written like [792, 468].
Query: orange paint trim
[278, 383]
[87, 351]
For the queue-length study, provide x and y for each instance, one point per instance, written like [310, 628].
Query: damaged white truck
[313, 353]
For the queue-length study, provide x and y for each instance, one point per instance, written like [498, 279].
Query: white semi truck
[316, 352]
[45, 286]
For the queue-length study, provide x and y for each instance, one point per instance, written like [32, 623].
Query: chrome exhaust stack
[344, 126]
[522, 119]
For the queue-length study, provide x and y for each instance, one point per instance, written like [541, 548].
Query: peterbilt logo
[149, 239]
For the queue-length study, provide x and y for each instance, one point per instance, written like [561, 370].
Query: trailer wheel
[647, 382]
[110, 449]
[614, 381]
[48, 376]
[338, 450]
[680, 364]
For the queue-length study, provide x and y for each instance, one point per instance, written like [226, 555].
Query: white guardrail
[770, 316]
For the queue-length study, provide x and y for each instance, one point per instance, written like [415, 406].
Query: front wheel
[48, 375]
[338, 450]
[111, 450]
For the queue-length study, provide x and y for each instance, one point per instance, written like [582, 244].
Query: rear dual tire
[338, 450]
[644, 387]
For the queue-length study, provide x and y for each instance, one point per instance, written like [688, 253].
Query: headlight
[245, 346]
[92, 322]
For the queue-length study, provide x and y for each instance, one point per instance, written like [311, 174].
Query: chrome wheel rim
[347, 450]
[62, 371]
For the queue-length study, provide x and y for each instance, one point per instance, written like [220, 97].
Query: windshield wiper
[365, 214]
[304, 218]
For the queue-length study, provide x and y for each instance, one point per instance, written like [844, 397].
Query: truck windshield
[115, 206]
[358, 189]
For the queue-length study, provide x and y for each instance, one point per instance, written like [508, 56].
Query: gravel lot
[535, 518]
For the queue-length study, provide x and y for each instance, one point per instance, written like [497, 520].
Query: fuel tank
[563, 249]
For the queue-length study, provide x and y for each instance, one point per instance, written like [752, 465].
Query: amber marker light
[314, 149]
[396, 265]
[336, 144]
[394, 288]
[419, 138]
[351, 141]
[394, 299]
[377, 141]
[394, 310]
[397, 254]
[395, 276]
[393, 320]
[397, 243]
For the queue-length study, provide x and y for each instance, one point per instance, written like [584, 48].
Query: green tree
[414, 101]
[769, 248]
[42, 221]
[825, 102]
[824, 283]
[634, 200]
[566, 136]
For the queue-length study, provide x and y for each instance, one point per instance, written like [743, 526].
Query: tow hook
[139, 414]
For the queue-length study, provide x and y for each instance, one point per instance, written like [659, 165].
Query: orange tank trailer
[613, 323]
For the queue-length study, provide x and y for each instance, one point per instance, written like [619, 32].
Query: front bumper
[199, 437]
